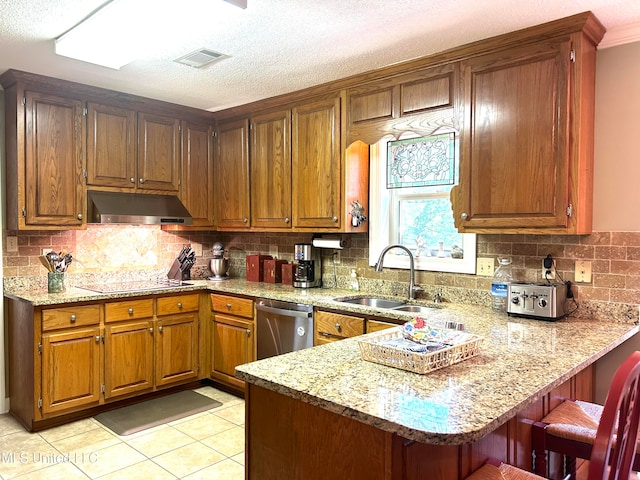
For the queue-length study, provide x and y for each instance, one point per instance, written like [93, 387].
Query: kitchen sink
[371, 302]
[414, 309]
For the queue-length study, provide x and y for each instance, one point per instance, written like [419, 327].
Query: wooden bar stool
[621, 413]
[570, 430]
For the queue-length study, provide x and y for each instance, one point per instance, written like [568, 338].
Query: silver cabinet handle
[464, 215]
[245, 220]
[286, 220]
[179, 304]
[338, 327]
[335, 219]
[131, 311]
[160, 328]
[72, 318]
[248, 332]
[228, 306]
[151, 330]
[141, 180]
[97, 338]
[132, 180]
[79, 216]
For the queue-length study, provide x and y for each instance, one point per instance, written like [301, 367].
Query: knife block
[176, 274]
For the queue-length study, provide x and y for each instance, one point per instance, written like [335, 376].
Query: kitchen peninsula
[326, 413]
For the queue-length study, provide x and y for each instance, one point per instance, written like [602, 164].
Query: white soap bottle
[353, 284]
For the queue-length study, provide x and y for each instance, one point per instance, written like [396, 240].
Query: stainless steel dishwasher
[282, 327]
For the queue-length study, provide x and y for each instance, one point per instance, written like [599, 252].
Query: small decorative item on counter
[418, 331]
[255, 267]
[353, 283]
[287, 273]
[273, 270]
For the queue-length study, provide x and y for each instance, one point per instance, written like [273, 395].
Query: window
[409, 203]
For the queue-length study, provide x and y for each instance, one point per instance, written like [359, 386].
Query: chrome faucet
[412, 285]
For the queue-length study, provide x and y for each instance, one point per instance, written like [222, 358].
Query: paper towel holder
[334, 242]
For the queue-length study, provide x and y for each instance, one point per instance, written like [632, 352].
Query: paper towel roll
[335, 243]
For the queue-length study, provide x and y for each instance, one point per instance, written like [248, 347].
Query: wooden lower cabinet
[232, 338]
[331, 326]
[176, 346]
[276, 424]
[73, 358]
[71, 366]
[128, 358]
[378, 325]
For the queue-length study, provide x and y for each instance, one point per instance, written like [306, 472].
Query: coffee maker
[308, 272]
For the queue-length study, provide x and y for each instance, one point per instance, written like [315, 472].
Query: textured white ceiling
[278, 46]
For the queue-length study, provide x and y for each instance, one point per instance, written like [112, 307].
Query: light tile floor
[208, 445]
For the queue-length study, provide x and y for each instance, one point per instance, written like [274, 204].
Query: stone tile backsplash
[110, 253]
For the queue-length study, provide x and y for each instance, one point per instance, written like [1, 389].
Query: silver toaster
[537, 300]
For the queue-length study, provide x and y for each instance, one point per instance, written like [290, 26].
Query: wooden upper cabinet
[52, 191]
[231, 173]
[111, 146]
[419, 102]
[316, 165]
[197, 189]
[526, 163]
[158, 162]
[271, 170]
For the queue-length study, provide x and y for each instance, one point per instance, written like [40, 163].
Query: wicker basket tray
[373, 351]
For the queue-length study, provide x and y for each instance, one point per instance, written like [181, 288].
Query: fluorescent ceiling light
[120, 32]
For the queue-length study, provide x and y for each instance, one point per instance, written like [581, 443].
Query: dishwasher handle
[283, 311]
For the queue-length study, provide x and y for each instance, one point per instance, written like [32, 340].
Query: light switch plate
[485, 267]
[583, 271]
[12, 244]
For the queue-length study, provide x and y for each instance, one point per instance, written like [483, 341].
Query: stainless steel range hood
[136, 208]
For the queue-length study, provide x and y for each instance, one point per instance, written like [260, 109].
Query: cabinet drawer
[338, 325]
[178, 304]
[72, 316]
[242, 307]
[128, 310]
[377, 325]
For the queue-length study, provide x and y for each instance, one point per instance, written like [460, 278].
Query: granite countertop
[520, 360]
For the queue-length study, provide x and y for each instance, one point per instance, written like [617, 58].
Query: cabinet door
[70, 370]
[271, 170]
[111, 146]
[515, 140]
[158, 152]
[128, 358]
[231, 173]
[55, 141]
[176, 340]
[232, 346]
[317, 175]
[196, 189]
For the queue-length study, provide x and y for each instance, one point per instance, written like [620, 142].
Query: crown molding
[621, 35]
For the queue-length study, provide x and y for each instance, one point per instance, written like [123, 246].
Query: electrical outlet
[485, 267]
[548, 273]
[12, 244]
[46, 250]
[273, 251]
[583, 271]
[336, 257]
